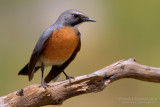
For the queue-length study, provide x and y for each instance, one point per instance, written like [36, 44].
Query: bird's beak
[87, 19]
[91, 20]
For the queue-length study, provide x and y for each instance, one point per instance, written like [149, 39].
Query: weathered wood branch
[56, 93]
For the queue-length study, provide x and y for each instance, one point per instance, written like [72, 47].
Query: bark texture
[58, 92]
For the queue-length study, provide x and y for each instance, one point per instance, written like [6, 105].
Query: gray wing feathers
[46, 34]
[37, 51]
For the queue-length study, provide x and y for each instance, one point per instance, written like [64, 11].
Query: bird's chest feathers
[60, 46]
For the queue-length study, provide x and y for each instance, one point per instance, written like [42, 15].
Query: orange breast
[60, 46]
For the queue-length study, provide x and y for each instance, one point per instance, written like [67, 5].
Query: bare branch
[56, 93]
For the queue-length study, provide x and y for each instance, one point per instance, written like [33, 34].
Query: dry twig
[56, 93]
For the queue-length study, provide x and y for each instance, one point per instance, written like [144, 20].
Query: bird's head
[73, 18]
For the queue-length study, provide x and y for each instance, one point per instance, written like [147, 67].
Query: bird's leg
[42, 81]
[67, 77]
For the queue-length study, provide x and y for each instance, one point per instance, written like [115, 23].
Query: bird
[57, 47]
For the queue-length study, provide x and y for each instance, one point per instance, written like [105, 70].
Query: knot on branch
[132, 59]
[20, 92]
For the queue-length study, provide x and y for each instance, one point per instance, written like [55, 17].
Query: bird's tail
[24, 70]
[53, 74]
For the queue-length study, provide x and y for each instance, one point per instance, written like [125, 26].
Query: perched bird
[57, 46]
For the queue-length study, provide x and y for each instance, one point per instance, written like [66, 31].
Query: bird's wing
[56, 70]
[37, 51]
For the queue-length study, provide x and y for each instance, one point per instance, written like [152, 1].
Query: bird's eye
[75, 15]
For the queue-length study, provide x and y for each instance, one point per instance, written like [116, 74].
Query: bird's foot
[44, 85]
[69, 78]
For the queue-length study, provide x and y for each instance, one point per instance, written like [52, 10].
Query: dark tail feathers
[24, 70]
[53, 74]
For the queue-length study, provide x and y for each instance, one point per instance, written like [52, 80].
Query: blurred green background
[124, 29]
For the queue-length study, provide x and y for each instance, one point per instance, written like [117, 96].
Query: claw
[69, 78]
[44, 85]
